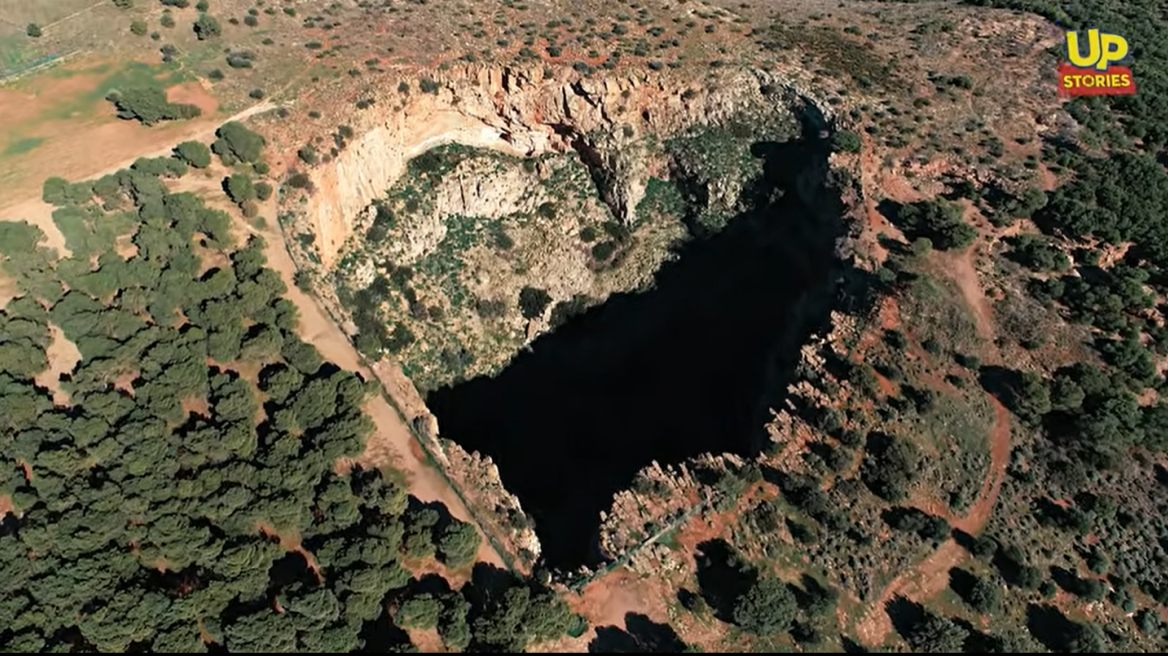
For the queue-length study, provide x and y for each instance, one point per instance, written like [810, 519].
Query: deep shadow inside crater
[686, 368]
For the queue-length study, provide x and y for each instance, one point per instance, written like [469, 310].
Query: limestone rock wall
[523, 113]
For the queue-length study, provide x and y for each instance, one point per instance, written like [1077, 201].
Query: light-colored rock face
[372, 162]
[520, 113]
[475, 188]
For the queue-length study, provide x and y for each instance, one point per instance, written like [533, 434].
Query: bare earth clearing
[26, 203]
[75, 137]
[63, 356]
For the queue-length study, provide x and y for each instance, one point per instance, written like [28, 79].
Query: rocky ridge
[524, 113]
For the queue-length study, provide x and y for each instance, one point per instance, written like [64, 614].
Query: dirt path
[869, 164]
[39, 213]
[961, 268]
[606, 602]
[931, 575]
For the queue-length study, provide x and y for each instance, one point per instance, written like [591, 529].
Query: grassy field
[42, 12]
[47, 114]
[53, 88]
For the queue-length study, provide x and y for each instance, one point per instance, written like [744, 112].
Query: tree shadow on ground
[383, 636]
[641, 635]
[416, 505]
[487, 583]
[1068, 580]
[431, 584]
[905, 614]
[1002, 382]
[964, 540]
[808, 592]
[852, 647]
[723, 576]
[1049, 626]
[978, 642]
[890, 209]
[893, 246]
[690, 600]
[961, 582]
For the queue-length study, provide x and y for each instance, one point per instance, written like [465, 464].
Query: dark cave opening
[688, 367]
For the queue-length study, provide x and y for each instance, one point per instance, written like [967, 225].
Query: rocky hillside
[525, 113]
[475, 210]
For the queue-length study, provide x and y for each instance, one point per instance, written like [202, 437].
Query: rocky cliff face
[614, 126]
[522, 112]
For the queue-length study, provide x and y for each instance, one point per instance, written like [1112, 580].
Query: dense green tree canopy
[236, 143]
[766, 608]
[195, 153]
[163, 508]
[149, 105]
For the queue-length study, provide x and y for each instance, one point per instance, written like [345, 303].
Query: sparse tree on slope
[207, 26]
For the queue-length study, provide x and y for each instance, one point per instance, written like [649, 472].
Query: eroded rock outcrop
[524, 113]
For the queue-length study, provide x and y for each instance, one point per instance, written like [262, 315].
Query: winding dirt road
[931, 575]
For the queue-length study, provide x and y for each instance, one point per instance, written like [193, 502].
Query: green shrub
[421, 612]
[533, 302]
[236, 144]
[240, 188]
[846, 141]
[194, 153]
[603, 250]
[207, 26]
[149, 106]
